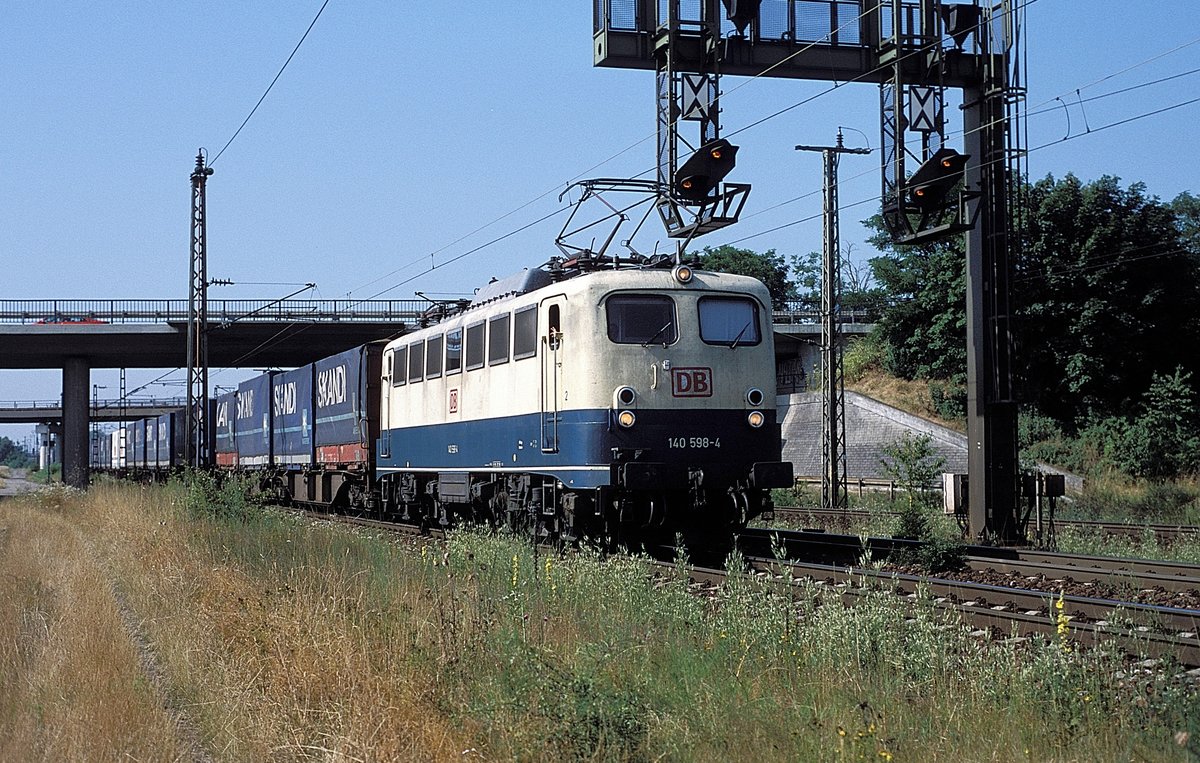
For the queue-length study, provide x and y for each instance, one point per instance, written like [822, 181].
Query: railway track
[1149, 630]
[1149, 607]
[834, 518]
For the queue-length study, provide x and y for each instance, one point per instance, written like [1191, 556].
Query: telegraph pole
[834, 494]
[195, 447]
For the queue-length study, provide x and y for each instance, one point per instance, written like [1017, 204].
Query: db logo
[453, 401]
[691, 382]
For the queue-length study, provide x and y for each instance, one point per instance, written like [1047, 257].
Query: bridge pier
[76, 417]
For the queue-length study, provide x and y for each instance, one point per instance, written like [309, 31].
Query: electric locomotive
[605, 402]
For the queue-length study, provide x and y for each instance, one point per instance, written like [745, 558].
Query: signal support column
[76, 377]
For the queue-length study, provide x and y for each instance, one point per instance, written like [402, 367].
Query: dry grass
[288, 640]
[282, 670]
[907, 395]
[72, 685]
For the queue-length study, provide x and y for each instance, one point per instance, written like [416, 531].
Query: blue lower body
[591, 449]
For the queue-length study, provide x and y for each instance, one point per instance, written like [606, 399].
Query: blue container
[253, 421]
[165, 443]
[292, 417]
[224, 417]
[346, 401]
[150, 438]
[171, 433]
[131, 444]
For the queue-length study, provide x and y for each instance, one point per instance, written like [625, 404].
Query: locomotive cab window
[433, 357]
[453, 351]
[399, 366]
[474, 347]
[498, 340]
[416, 364]
[525, 332]
[641, 319]
[730, 321]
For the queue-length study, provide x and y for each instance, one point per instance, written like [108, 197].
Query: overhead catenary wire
[436, 265]
[1056, 142]
[278, 74]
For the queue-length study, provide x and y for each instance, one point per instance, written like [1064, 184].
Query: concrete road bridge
[79, 335]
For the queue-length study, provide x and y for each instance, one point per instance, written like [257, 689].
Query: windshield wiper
[740, 334]
[659, 333]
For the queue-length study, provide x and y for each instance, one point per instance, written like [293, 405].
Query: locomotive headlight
[624, 397]
[754, 396]
[626, 419]
[682, 273]
[755, 419]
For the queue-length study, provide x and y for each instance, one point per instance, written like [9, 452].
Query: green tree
[1164, 441]
[912, 462]
[768, 267]
[1106, 294]
[924, 323]
[11, 454]
[859, 290]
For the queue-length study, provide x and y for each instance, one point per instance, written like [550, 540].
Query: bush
[942, 555]
[211, 496]
[862, 355]
[949, 398]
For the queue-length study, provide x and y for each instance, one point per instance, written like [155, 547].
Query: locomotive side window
[416, 361]
[399, 366]
[498, 340]
[730, 321]
[474, 346]
[641, 319]
[433, 357]
[525, 332]
[453, 351]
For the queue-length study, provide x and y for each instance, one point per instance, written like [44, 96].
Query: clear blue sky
[400, 129]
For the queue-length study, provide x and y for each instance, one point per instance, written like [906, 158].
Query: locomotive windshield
[641, 319]
[730, 321]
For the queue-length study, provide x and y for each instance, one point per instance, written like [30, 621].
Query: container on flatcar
[131, 444]
[346, 401]
[169, 444]
[292, 418]
[116, 449]
[224, 421]
[99, 456]
[253, 427]
[150, 459]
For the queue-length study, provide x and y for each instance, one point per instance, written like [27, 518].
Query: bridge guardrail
[85, 311]
[132, 402]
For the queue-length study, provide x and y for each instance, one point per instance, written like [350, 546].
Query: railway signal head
[741, 12]
[960, 20]
[704, 170]
[935, 178]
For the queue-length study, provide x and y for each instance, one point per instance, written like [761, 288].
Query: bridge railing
[84, 311]
[131, 403]
[802, 312]
[100, 311]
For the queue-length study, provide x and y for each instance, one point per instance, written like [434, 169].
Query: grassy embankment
[283, 639]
